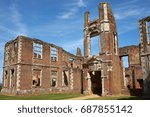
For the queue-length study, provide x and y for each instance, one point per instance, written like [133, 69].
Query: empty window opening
[65, 78]
[37, 48]
[54, 76]
[125, 61]
[5, 78]
[11, 77]
[15, 47]
[36, 78]
[71, 61]
[115, 43]
[95, 45]
[7, 53]
[54, 54]
[54, 82]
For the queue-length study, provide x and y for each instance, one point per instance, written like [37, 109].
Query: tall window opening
[125, 70]
[65, 78]
[7, 53]
[125, 61]
[115, 43]
[36, 78]
[37, 50]
[95, 45]
[54, 54]
[12, 78]
[54, 76]
[5, 78]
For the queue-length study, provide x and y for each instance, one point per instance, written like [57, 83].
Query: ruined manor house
[32, 66]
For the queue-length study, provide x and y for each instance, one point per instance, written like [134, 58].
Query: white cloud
[68, 14]
[73, 10]
[130, 9]
[17, 20]
[128, 13]
[80, 3]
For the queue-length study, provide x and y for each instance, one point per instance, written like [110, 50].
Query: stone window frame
[54, 76]
[37, 50]
[53, 54]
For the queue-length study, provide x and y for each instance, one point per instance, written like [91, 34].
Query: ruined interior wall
[133, 73]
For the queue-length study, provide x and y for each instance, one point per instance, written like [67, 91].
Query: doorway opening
[96, 82]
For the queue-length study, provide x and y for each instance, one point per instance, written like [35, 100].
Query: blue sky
[61, 21]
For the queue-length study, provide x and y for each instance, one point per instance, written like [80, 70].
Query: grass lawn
[40, 97]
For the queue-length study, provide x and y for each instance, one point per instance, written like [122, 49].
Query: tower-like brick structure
[102, 72]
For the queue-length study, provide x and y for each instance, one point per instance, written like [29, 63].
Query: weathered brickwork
[40, 71]
[32, 66]
[102, 72]
[144, 29]
[133, 75]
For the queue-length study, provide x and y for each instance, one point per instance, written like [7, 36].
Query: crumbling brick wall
[145, 52]
[40, 67]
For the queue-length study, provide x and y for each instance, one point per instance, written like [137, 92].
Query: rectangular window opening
[65, 78]
[37, 49]
[12, 78]
[54, 76]
[5, 78]
[7, 53]
[54, 82]
[95, 45]
[53, 54]
[125, 61]
[36, 78]
[115, 43]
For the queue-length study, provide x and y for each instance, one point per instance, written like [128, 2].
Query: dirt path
[84, 97]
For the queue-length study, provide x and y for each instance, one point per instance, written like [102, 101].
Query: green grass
[40, 97]
[66, 96]
[118, 98]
